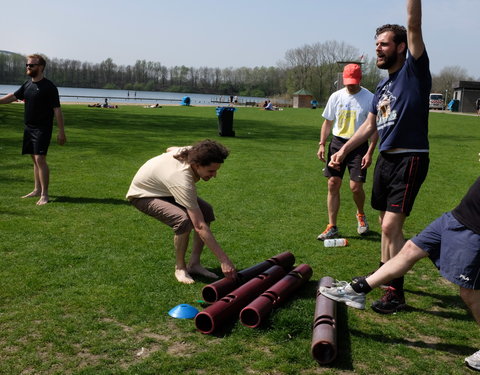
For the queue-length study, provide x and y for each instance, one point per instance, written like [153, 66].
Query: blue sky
[224, 34]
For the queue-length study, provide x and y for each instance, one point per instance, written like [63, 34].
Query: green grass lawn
[87, 280]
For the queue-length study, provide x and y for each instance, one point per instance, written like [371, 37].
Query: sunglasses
[31, 65]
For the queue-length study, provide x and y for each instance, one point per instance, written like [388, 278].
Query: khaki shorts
[169, 212]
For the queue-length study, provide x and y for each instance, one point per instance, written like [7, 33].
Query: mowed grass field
[86, 281]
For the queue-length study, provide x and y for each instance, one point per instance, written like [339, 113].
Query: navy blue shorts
[454, 249]
[353, 161]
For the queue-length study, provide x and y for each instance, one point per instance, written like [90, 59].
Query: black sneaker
[390, 303]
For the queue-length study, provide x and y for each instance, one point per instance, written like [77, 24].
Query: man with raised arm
[399, 113]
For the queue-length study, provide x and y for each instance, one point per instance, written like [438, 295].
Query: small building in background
[302, 99]
[466, 92]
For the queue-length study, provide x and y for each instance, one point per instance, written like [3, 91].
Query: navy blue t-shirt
[40, 99]
[400, 104]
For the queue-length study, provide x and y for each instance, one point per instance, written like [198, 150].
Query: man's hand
[366, 161]
[61, 138]
[321, 153]
[336, 160]
[228, 269]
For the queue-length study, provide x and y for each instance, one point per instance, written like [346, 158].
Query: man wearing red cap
[345, 111]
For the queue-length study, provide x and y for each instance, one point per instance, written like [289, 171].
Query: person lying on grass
[164, 187]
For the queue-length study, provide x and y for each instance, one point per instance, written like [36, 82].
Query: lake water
[80, 95]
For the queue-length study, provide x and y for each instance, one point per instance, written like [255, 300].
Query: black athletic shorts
[397, 180]
[353, 161]
[36, 140]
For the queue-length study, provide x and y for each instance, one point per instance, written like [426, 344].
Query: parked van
[436, 101]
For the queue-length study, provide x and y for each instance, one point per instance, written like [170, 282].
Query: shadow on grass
[83, 200]
[447, 347]
[443, 301]
[370, 236]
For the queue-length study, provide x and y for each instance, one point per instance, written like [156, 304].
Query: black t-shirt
[40, 99]
[468, 211]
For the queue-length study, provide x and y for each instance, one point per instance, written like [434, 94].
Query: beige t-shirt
[165, 176]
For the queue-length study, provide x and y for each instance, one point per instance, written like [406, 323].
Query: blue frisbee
[183, 311]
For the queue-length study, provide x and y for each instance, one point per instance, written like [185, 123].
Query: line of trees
[150, 76]
[314, 67]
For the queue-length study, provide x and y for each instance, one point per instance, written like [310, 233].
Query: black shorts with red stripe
[397, 180]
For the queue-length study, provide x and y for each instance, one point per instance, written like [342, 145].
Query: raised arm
[414, 28]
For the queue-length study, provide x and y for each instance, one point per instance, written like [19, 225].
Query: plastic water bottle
[335, 242]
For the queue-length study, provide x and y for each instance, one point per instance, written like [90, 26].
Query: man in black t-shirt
[452, 242]
[42, 103]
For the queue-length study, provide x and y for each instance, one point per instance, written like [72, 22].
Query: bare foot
[202, 271]
[43, 200]
[183, 277]
[32, 194]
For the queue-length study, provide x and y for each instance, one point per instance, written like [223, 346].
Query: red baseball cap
[352, 74]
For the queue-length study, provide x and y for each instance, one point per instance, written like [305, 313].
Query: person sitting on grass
[452, 242]
[270, 107]
[164, 187]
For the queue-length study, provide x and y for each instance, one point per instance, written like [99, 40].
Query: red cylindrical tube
[214, 291]
[229, 306]
[324, 335]
[253, 315]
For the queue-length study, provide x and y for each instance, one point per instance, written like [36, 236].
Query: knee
[356, 187]
[40, 160]
[390, 229]
[411, 253]
[334, 184]
[184, 225]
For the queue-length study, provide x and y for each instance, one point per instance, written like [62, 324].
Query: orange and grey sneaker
[330, 232]
[362, 224]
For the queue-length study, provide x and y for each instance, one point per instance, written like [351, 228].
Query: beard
[33, 73]
[388, 61]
